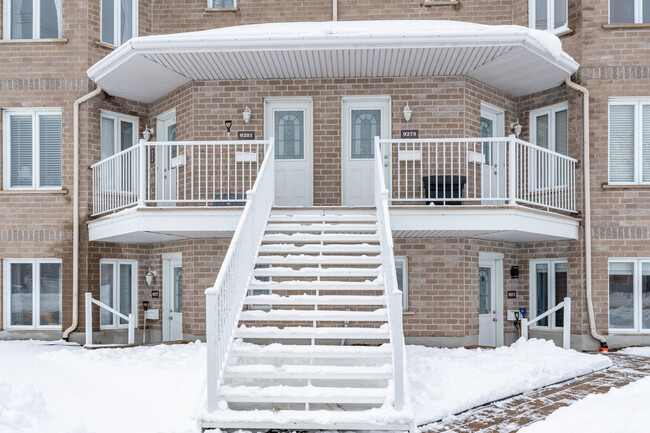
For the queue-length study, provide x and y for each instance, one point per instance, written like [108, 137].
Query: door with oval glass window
[172, 299]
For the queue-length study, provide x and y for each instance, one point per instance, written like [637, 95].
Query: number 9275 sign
[410, 133]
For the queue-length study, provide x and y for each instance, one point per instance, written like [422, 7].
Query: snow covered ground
[67, 389]
[637, 351]
[619, 410]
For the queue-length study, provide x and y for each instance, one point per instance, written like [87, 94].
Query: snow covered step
[314, 300]
[318, 260]
[316, 272]
[301, 394]
[271, 332]
[267, 371]
[380, 315]
[316, 285]
[301, 228]
[362, 248]
[248, 350]
[343, 218]
[327, 237]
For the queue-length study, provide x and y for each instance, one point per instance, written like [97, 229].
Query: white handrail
[224, 301]
[89, 319]
[392, 292]
[566, 325]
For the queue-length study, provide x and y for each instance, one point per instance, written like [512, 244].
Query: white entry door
[493, 172]
[290, 123]
[487, 315]
[363, 119]
[168, 177]
[172, 300]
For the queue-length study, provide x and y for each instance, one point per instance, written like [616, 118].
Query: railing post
[131, 336]
[398, 349]
[524, 328]
[141, 173]
[89, 319]
[512, 170]
[213, 359]
[566, 337]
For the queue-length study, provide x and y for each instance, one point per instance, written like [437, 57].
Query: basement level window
[629, 295]
[629, 11]
[548, 287]
[222, 4]
[549, 15]
[402, 271]
[118, 289]
[32, 19]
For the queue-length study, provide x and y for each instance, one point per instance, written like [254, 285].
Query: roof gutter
[75, 216]
[587, 211]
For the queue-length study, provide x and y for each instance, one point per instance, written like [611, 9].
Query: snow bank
[636, 351]
[619, 410]
[448, 381]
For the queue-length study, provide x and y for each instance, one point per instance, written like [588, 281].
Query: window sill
[627, 26]
[105, 45]
[565, 33]
[34, 41]
[440, 3]
[32, 191]
[217, 10]
[625, 186]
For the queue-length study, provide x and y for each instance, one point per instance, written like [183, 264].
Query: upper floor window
[32, 148]
[119, 21]
[217, 4]
[118, 132]
[629, 11]
[32, 19]
[548, 15]
[549, 127]
[629, 141]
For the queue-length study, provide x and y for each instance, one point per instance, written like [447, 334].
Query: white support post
[213, 358]
[512, 170]
[131, 337]
[89, 319]
[524, 328]
[566, 337]
[398, 359]
[142, 173]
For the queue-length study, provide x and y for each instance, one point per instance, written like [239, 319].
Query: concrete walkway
[512, 414]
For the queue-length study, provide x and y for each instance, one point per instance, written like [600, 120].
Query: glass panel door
[22, 292]
[485, 290]
[365, 126]
[289, 134]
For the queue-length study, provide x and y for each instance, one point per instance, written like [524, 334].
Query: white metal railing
[177, 173]
[479, 172]
[89, 319]
[566, 323]
[392, 292]
[224, 301]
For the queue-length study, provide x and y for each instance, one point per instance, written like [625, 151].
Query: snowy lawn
[637, 351]
[619, 410]
[67, 389]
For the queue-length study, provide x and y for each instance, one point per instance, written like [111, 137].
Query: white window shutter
[108, 137]
[562, 132]
[21, 149]
[645, 142]
[621, 11]
[621, 143]
[50, 150]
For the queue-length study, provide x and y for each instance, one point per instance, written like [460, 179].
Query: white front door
[493, 172]
[168, 177]
[363, 118]
[487, 315]
[290, 123]
[172, 300]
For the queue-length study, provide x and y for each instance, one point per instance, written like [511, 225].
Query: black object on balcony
[229, 199]
[444, 187]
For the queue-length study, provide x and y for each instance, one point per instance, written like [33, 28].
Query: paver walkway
[512, 414]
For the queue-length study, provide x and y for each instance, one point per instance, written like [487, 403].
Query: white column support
[89, 319]
[131, 336]
[566, 332]
[512, 170]
[524, 328]
[142, 181]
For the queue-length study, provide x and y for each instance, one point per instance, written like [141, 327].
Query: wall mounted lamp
[246, 114]
[149, 277]
[516, 127]
[147, 133]
[407, 112]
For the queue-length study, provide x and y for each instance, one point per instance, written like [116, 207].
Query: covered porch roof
[514, 59]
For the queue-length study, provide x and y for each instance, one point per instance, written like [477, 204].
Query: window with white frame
[402, 271]
[32, 290]
[219, 4]
[118, 289]
[119, 21]
[549, 128]
[549, 287]
[32, 148]
[32, 19]
[548, 15]
[629, 295]
[629, 11]
[118, 132]
[629, 141]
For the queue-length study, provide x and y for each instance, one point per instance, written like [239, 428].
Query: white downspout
[75, 216]
[587, 210]
[335, 10]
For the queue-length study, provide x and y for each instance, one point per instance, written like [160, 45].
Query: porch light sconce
[228, 125]
[147, 133]
[247, 115]
[149, 277]
[514, 272]
[516, 127]
[407, 112]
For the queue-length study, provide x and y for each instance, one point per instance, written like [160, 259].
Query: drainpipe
[335, 10]
[75, 216]
[587, 211]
